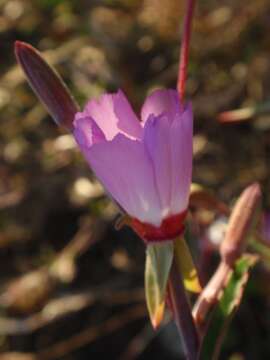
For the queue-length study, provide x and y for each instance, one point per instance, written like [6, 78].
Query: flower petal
[159, 102]
[123, 167]
[113, 114]
[181, 150]
[157, 142]
[86, 131]
[170, 148]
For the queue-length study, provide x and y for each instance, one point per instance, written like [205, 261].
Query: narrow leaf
[47, 84]
[262, 249]
[186, 266]
[157, 268]
[226, 308]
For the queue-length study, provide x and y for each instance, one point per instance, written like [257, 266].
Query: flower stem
[182, 314]
[184, 53]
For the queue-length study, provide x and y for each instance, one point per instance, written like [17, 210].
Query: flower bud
[47, 84]
[240, 224]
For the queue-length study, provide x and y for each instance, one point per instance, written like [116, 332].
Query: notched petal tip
[47, 84]
[86, 131]
[113, 113]
[161, 101]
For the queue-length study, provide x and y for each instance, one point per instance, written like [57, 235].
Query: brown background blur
[71, 287]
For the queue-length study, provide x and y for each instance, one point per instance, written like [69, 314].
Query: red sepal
[170, 228]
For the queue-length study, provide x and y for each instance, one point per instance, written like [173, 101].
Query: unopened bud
[241, 222]
[210, 295]
[47, 84]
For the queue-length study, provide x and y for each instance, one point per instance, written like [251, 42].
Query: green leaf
[226, 308]
[186, 266]
[157, 268]
[261, 248]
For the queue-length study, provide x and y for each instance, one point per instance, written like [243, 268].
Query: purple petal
[157, 142]
[169, 144]
[181, 149]
[113, 114]
[124, 168]
[86, 131]
[159, 102]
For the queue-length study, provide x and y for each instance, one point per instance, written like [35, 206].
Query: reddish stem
[184, 53]
[182, 314]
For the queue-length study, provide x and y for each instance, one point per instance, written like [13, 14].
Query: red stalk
[184, 53]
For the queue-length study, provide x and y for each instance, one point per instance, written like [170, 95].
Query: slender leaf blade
[159, 259]
[186, 266]
[226, 308]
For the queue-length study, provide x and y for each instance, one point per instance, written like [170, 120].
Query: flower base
[169, 229]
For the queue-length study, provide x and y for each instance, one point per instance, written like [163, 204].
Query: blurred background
[71, 286]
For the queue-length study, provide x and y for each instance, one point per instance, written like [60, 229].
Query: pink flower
[145, 166]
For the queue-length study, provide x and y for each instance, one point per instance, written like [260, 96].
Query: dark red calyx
[169, 229]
